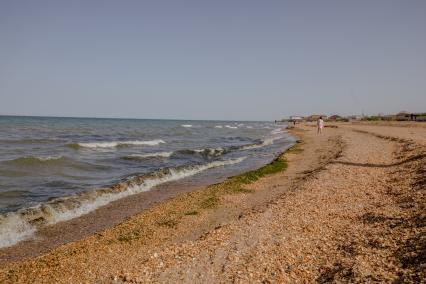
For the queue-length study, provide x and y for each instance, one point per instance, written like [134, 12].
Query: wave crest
[114, 144]
[206, 153]
[148, 155]
[13, 229]
[265, 142]
[18, 226]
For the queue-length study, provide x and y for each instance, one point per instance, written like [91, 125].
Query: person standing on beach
[320, 125]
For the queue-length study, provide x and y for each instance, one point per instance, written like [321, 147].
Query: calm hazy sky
[211, 59]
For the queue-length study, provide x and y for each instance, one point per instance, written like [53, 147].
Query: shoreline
[50, 177]
[49, 237]
[345, 203]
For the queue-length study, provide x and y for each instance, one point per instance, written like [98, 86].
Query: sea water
[54, 169]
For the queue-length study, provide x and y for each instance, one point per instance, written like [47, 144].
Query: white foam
[186, 125]
[114, 144]
[13, 228]
[265, 142]
[277, 131]
[269, 141]
[231, 127]
[211, 151]
[153, 155]
[218, 126]
[106, 198]
[48, 158]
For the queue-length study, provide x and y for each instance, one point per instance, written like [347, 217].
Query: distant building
[354, 117]
[406, 116]
[295, 118]
[402, 116]
[314, 117]
[335, 117]
[388, 117]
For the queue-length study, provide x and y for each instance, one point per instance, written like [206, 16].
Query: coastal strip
[206, 198]
[37, 230]
[342, 206]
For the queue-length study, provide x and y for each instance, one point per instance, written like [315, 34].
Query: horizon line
[129, 118]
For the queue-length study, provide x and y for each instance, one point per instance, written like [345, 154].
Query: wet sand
[349, 208]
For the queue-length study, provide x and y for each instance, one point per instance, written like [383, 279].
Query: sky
[231, 59]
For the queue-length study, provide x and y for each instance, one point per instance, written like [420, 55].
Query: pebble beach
[347, 205]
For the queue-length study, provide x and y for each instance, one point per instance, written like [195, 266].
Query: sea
[55, 169]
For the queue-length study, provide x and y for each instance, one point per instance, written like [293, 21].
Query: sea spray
[13, 229]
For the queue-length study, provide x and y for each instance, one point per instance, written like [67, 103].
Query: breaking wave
[21, 225]
[186, 125]
[13, 229]
[266, 142]
[206, 153]
[216, 152]
[277, 131]
[231, 127]
[148, 155]
[114, 144]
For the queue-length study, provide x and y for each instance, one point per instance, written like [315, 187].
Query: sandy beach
[344, 206]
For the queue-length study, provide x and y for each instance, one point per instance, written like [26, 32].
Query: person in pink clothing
[320, 125]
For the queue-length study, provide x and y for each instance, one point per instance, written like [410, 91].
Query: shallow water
[56, 169]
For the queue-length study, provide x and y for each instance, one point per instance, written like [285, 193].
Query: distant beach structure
[296, 118]
[315, 117]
